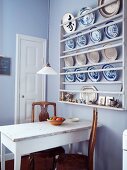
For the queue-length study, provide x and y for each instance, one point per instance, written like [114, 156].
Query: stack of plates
[93, 57]
[109, 10]
[81, 59]
[110, 54]
[87, 19]
[70, 26]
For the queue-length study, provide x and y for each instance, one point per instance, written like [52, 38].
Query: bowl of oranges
[56, 120]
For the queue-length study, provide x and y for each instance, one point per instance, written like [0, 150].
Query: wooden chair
[44, 160]
[76, 161]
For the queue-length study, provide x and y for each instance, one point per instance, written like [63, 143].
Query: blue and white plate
[96, 35]
[70, 44]
[110, 75]
[70, 77]
[80, 76]
[81, 40]
[111, 31]
[87, 19]
[94, 76]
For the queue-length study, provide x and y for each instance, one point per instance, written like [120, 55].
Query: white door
[30, 57]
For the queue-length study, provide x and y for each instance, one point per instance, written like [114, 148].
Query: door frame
[20, 37]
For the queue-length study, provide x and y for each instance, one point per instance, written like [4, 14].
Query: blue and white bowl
[87, 19]
[80, 76]
[111, 31]
[94, 76]
[110, 75]
[70, 44]
[96, 35]
[70, 77]
[81, 40]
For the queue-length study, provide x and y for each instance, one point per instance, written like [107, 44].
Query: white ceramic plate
[81, 59]
[88, 95]
[86, 19]
[109, 10]
[93, 57]
[110, 54]
[70, 77]
[69, 61]
[71, 26]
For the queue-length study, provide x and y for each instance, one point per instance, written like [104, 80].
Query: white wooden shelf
[103, 92]
[94, 64]
[93, 50]
[90, 71]
[94, 45]
[94, 25]
[93, 105]
[94, 83]
[94, 29]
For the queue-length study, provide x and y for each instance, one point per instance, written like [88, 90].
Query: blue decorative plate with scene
[70, 77]
[110, 75]
[94, 76]
[81, 40]
[87, 19]
[96, 35]
[70, 44]
[111, 31]
[80, 76]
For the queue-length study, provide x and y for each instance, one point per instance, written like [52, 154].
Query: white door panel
[31, 85]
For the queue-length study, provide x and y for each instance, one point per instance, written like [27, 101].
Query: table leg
[17, 161]
[2, 156]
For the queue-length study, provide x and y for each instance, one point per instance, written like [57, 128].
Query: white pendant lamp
[47, 69]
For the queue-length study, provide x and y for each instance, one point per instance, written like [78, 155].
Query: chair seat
[72, 162]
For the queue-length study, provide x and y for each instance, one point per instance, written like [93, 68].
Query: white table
[26, 138]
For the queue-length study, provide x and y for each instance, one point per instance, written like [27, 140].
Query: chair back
[92, 140]
[44, 115]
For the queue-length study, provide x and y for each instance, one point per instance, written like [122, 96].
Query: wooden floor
[9, 165]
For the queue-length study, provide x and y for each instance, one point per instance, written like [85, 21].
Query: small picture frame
[108, 102]
[101, 100]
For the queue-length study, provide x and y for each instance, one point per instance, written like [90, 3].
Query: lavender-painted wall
[29, 17]
[109, 137]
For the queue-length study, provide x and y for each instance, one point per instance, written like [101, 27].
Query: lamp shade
[47, 70]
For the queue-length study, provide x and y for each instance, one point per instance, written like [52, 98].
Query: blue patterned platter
[70, 77]
[94, 76]
[70, 44]
[110, 75]
[80, 76]
[111, 31]
[87, 19]
[96, 35]
[81, 40]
